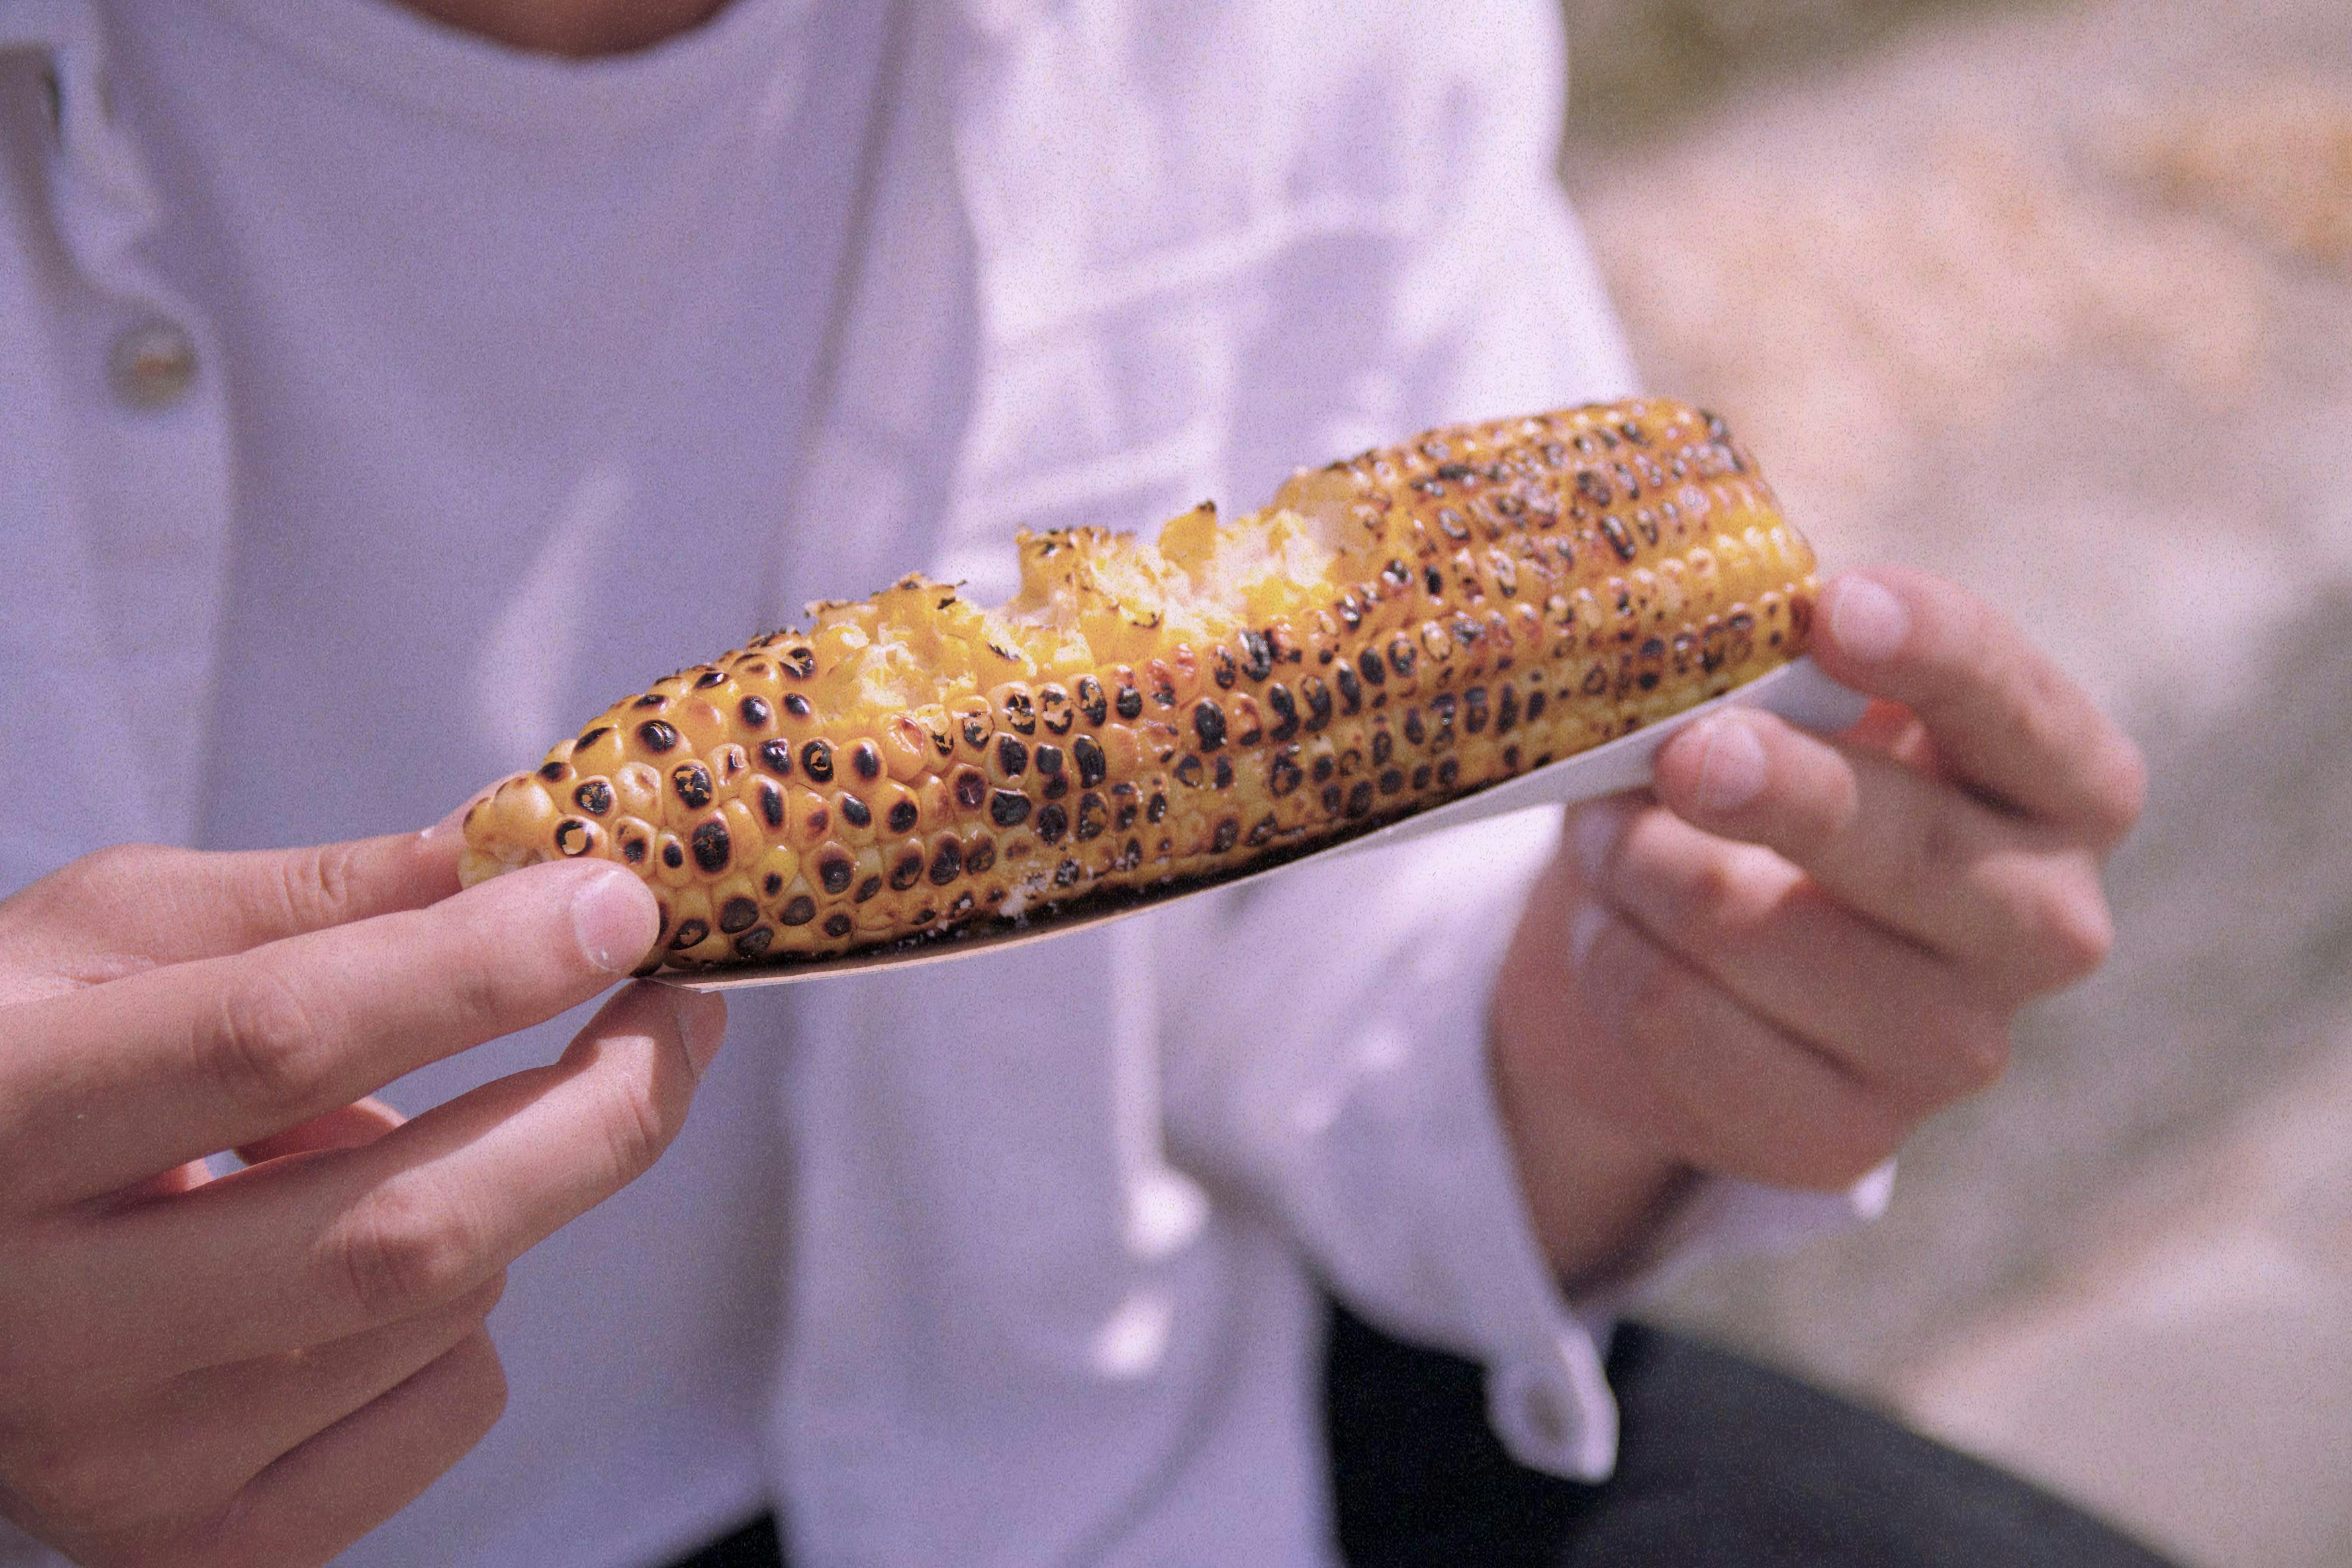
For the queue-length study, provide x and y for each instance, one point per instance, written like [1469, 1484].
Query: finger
[1899, 1018]
[177, 1063]
[1722, 1088]
[361, 1471]
[138, 905]
[2018, 904]
[302, 1251]
[346, 1127]
[2003, 716]
[184, 1449]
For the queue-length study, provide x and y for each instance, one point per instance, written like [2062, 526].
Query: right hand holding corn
[258, 1369]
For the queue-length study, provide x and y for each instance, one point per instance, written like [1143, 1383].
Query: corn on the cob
[1395, 630]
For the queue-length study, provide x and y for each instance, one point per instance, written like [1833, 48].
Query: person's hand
[255, 1370]
[1795, 949]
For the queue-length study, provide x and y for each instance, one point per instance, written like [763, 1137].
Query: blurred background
[2055, 297]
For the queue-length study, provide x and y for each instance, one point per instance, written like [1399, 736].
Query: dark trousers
[1720, 1463]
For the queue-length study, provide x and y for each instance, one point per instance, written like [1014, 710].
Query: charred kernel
[1053, 710]
[834, 870]
[1619, 539]
[1067, 873]
[1421, 778]
[1351, 692]
[1093, 816]
[1415, 730]
[709, 679]
[650, 699]
[1049, 760]
[1449, 772]
[573, 836]
[1371, 668]
[594, 796]
[947, 862]
[1130, 703]
[1257, 655]
[1332, 797]
[737, 913]
[1052, 822]
[866, 760]
[1400, 658]
[1012, 757]
[590, 737]
[1229, 833]
[798, 705]
[979, 855]
[1359, 797]
[868, 888]
[552, 771]
[1443, 707]
[1057, 787]
[976, 729]
[1318, 700]
[925, 917]
[776, 756]
[856, 812]
[1209, 725]
[634, 850]
[756, 712]
[1020, 710]
[800, 912]
[1383, 744]
[1507, 709]
[771, 802]
[1093, 766]
[1593, 487]
[1324, 768]
[1283, 774]
[1392, 780]
[1224, 774]
[692, 783]
[1225, 672]
[1474, 709]
[1128, 809]
[1130, 856]
[1535, 706]
[836, 925]
[1285, 712]
[1510, 758]
[689, 934]
[816, 760]
[907, 870]
[1157, 808]
[673, 855]
[657, 737]
[905, 814]
[1263, 834]
[1092, 705]
[1187, 771]
[1008, 808]
[712, 848]
[971, 789]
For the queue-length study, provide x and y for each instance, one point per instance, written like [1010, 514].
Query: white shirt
[517, 383]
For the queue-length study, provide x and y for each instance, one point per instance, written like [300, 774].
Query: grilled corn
[1395, 630]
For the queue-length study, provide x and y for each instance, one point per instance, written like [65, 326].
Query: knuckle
[269, 1045]
[400, 1253]
[636, 1129]
[2120, 793]
[315, 885]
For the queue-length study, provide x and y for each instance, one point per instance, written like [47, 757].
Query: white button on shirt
[510, 383]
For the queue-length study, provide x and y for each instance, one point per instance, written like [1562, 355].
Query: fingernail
[1584, 928]
[1731, 767]
[1868, 621]
[614, 917]
[1597, 830]
[701, 1023]
[453, 823]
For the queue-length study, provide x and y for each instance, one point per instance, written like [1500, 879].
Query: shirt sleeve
[1336, 1077]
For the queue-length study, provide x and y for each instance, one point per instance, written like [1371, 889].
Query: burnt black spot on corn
[1480, 597]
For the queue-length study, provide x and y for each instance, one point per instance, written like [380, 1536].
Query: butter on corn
[1395, 630]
